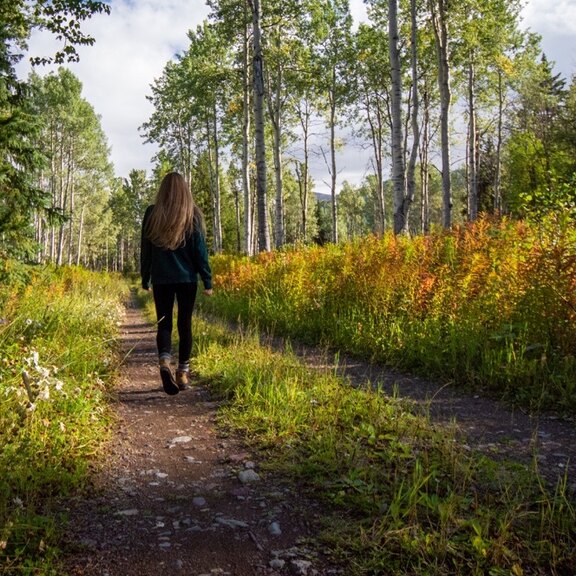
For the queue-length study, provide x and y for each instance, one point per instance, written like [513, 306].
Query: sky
[138, 38]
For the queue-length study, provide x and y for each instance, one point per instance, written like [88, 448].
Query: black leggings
[164, 301]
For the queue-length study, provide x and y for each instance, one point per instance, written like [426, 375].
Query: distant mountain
[321, 197]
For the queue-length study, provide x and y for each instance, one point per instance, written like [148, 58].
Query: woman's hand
[208, 292]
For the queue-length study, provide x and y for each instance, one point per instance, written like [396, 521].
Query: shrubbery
[489, 304]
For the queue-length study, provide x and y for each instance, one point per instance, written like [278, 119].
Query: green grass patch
[401, 497]
[58, 352]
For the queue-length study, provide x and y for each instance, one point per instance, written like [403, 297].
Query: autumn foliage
[487, 304]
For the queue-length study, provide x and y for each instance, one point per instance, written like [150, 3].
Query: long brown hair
[174, 214]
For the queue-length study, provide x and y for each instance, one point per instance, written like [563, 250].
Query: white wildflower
[44, 394]
[44, 372]
[18, 502]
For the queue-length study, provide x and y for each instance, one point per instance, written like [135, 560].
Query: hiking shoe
[183, 379]
[168, 382]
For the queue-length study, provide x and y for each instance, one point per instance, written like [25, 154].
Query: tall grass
[400, 496]
[488, 304]
[58, 331]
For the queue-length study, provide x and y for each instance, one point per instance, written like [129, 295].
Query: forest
[459, 116]
[454, 258]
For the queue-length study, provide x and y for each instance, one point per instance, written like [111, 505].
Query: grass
[57, 362]
[400, 496]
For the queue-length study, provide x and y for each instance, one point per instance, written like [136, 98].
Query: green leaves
[63, 18]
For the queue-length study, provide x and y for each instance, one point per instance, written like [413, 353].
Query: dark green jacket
[161, 266]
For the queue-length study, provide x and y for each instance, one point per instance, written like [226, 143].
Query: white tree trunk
[261, 185]
[247, 189]
[472, 149]
[439, 16]
[398, 174]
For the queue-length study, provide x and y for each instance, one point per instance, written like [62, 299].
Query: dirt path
[173, 498]
[483, 424]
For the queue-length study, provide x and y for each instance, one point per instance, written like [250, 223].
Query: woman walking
[173, 254]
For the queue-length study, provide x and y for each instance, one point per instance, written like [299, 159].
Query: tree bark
[415, 119]
[424, 167]
[398, 174]
[217, 232]
[275, 112]
[472, 148]
[247, 189]
[333, 175]
[260, 144]
[439, 16]
[497, 177]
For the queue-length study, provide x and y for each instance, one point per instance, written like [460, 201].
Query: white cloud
[556, 24]
[557, 17]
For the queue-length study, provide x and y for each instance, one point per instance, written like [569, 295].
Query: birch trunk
[424, 167]
[411, 169]
[472, 149]
[217, 232]
[260, 145]
[497, 192]
[398, 174]
[214, 185]
[376, 127]
[304, 116]
[248, 223]
[440, 26]
[333, 175]
[80, 234]
[275, 112]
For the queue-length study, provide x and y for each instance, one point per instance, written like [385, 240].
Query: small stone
[231, 523]
[249, 465]
[199, 501]
[300, 567]
[181, 440]
[276, 564]
[130, 512]
[247, 476]
[274, 529]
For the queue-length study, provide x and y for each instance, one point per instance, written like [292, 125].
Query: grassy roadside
[400, 498]
[57, 362]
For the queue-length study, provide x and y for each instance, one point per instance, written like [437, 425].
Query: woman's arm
[145, 252]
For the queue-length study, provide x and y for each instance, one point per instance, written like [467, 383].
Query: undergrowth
[58, 330]
[488, 305]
